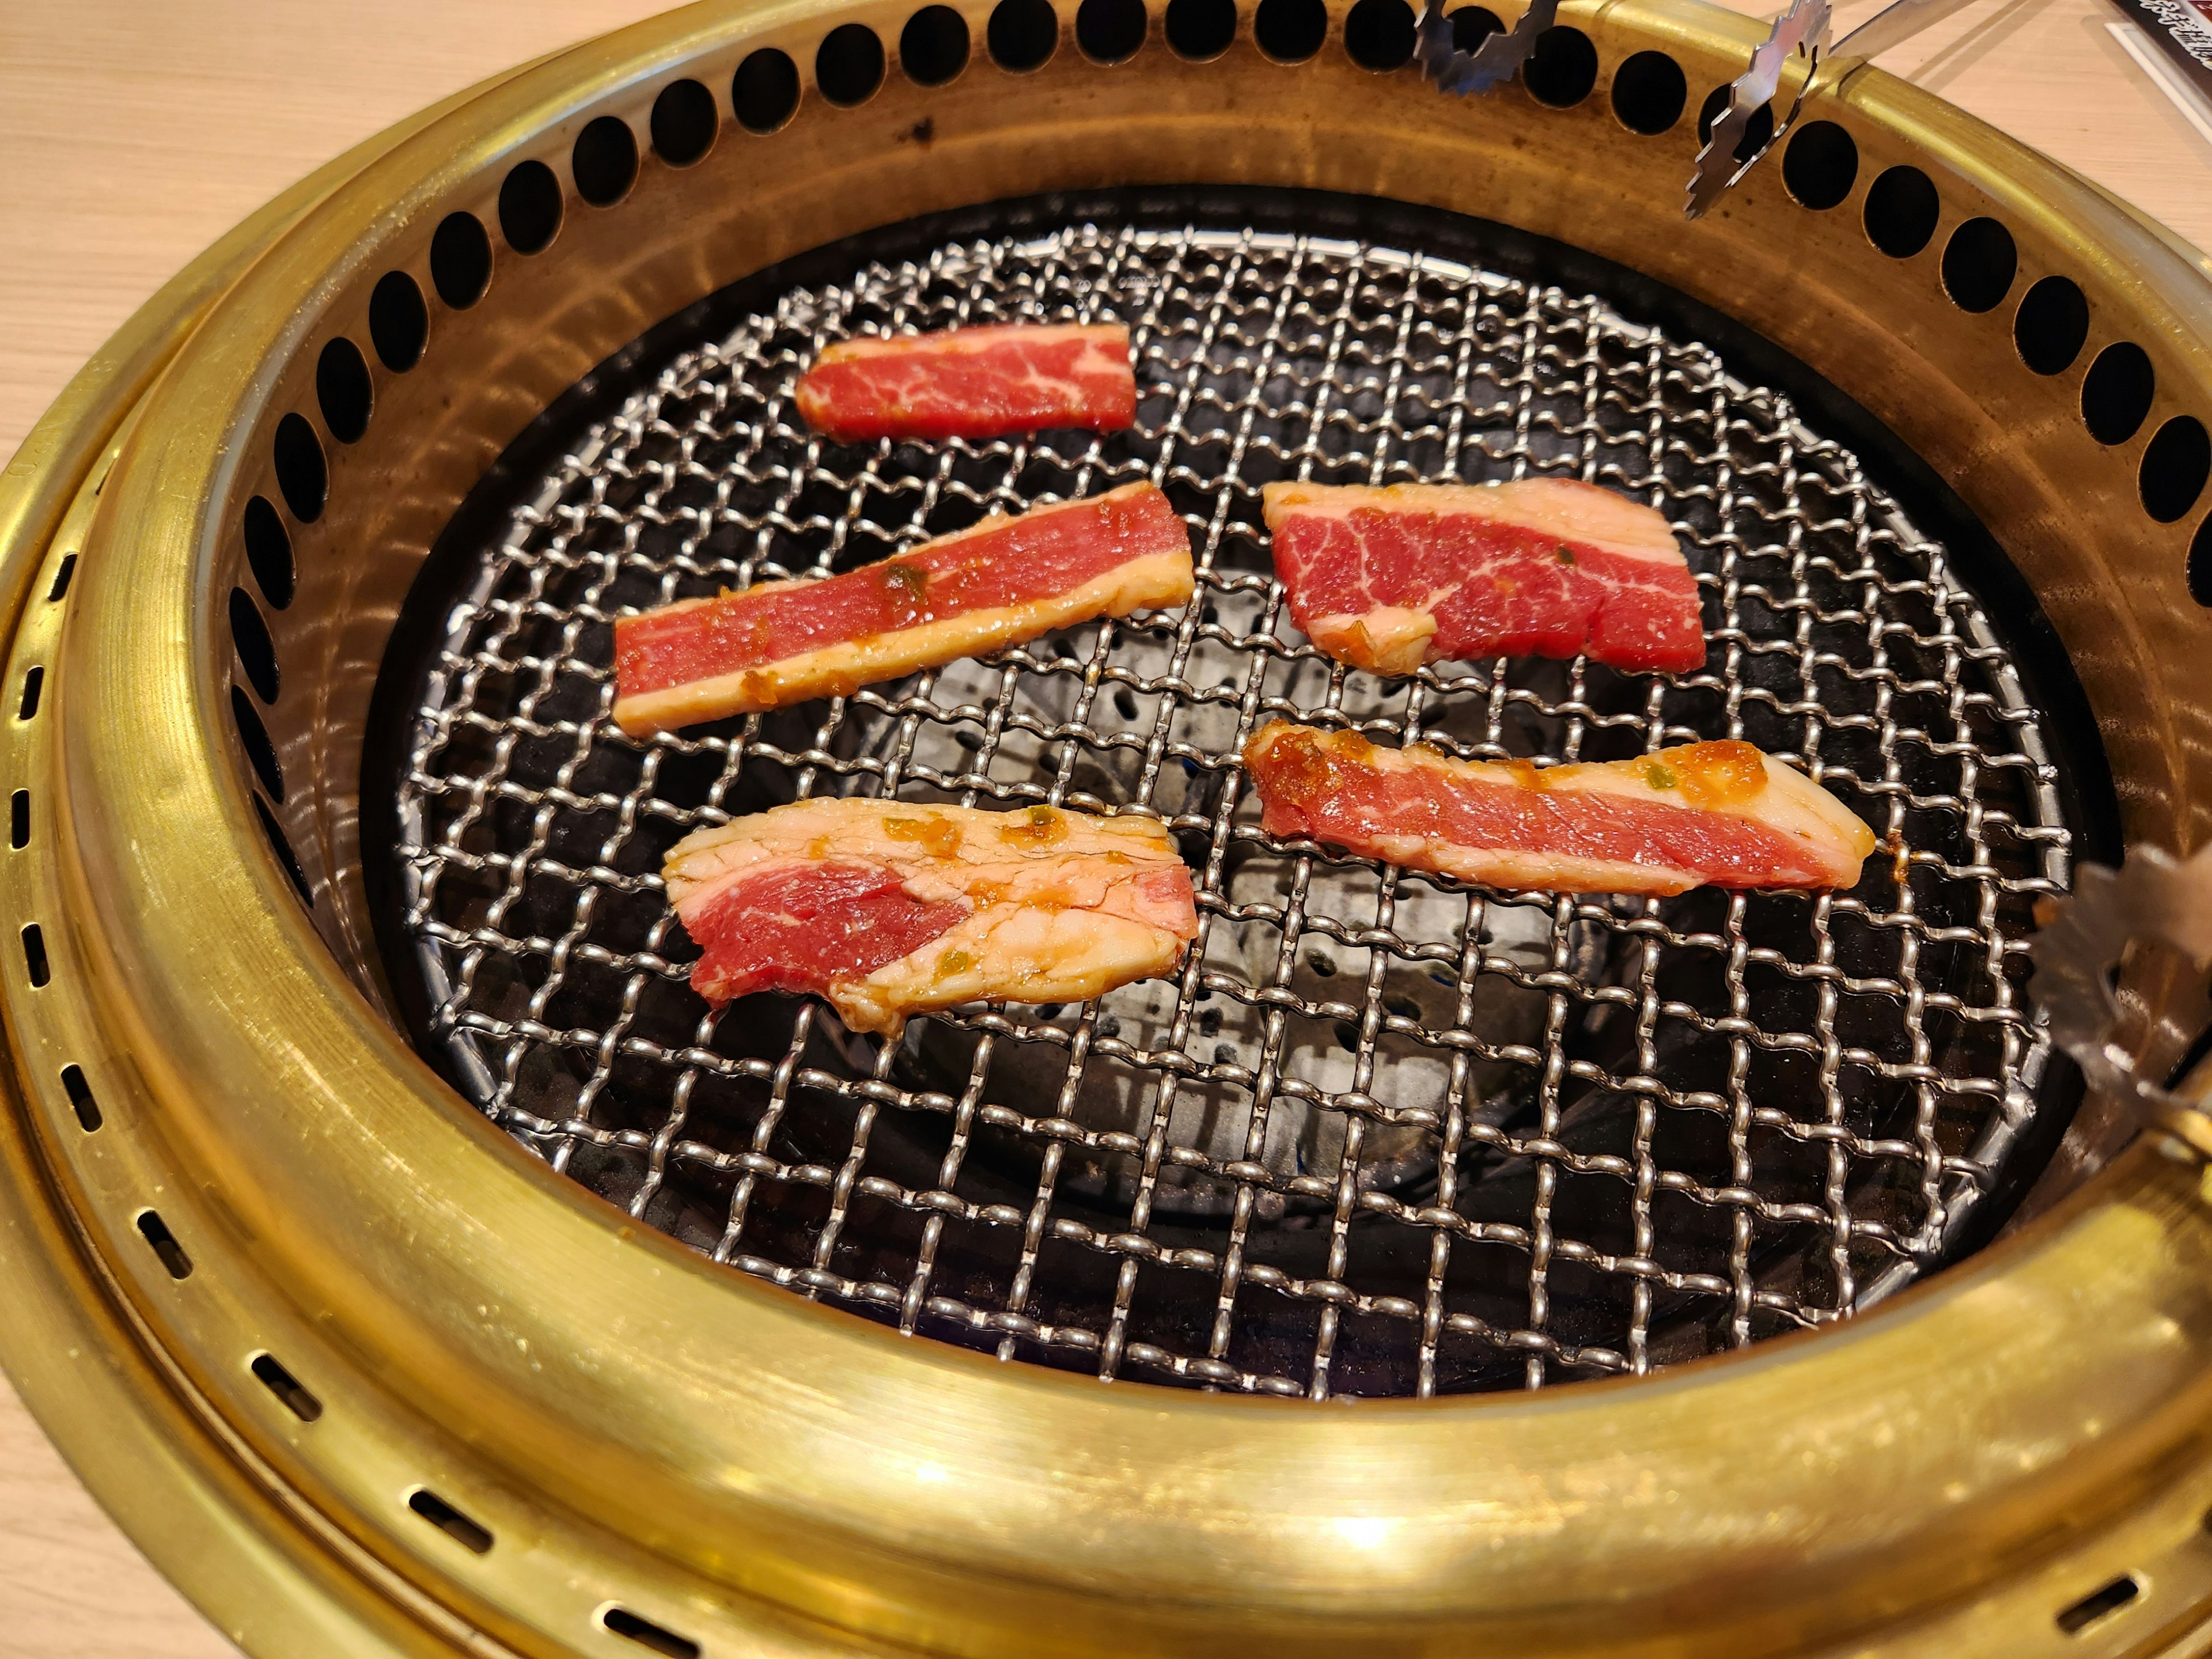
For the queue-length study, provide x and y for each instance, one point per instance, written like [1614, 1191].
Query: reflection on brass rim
[634, 1430]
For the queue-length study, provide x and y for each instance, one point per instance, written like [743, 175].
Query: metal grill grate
[1386, 1133]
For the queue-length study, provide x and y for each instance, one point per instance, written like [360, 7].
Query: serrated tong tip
[1803, 27]
[1491, 63]
[2154, 897]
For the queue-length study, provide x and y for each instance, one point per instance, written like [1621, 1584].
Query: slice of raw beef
[989, 382]
[1717, 814]
[889, 909]
[997, 583]
[1388, 579]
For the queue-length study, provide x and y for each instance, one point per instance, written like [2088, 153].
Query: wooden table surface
[135, 134]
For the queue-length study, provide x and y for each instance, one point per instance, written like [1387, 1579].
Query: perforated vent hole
[848, 66]
[2175, 464]
[63, 572]
[1201, 29]
[468, 1533]
[34, 680]
[398, 321]
[1472, 25]
[765, 90]
[1111, 31]
[35, 956]
[18, 819]
[1378, 33]
[342, 390]
[281, 844]
[460, 260]
[80, 1099]
[257, 651]
[2115, 393]
[287, 1387]
[1901, 210]
[530, 208]
[1756, 132]
[1821, 165]
[1290, 31]
[604, 160]
[656, 1638]
[303, 477]
[1102, 1065]
[1022, 34]
[683, 123]
[253, 737]
[1563, 68]
[156, 1231]
[269, 552]
[1979, 263]
[933, 45]
[2051, 325]
[2200, 564]
[2098, 1603]
[1648, 91]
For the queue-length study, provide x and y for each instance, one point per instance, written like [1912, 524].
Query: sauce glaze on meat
[997, 583]
[1718, 814]
[889, 909]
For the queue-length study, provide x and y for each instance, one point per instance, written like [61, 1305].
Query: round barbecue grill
[461, 1282]
[1680, 1059]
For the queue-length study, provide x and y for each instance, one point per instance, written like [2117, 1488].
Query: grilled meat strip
[972, 383]
[997, 583]
[890, 909]
[1387, 579]
[1718, 814]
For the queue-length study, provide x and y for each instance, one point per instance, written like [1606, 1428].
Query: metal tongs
[2155, 897]
[1491, 63]
[1801, 30]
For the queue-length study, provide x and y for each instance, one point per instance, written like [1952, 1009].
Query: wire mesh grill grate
[1384, 1133]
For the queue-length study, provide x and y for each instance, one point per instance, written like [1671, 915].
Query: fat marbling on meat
[1718, 814]
[890, 909]
[997, 583]
[990, 382]
[1388, 578]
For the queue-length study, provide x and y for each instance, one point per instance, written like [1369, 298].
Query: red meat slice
[1718, 814]
[997, 583]
[890, 909]
[797, 927]
[972, 383]
[1387, 579]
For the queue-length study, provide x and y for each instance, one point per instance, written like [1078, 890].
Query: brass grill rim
[789, 1520]
[587, 514]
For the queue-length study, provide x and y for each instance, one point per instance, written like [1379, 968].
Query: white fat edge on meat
[1566, 507]
[850, 830]
[969, 342]
[1021, 954]
[1390, 639]
[1150, 581]
[1077, 882]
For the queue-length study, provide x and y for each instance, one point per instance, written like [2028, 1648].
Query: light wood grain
[2049, 73]
[71, 1584]
[133, 134]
